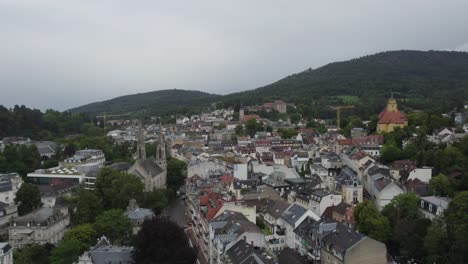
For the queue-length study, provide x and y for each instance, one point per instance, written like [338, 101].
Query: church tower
[392, 104]
[161, 149]
[241, 113]
[141, 149]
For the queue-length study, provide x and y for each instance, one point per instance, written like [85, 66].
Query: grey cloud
[62, 54]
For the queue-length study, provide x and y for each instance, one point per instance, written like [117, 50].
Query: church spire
[141, 149]
[161, 147]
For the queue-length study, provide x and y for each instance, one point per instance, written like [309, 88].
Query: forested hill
[162, 102]
[424, 80]
[435, 80]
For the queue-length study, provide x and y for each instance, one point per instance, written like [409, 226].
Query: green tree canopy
[84, 206]
[156, 200]
[84, 234]
[440, 185]
[28, 198]
[176, 173]
[113, 224]
[115, 189]
[390, 153]
[370, 222]
[37, 254]
[158, 241]
[66, 252]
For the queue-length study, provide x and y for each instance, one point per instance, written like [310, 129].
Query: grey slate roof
[5, 183]
[241, 252]
[105, 253]
[342, 239]
[120, 166]
[40, 216]
[289, 256]
[150, 166]
[342, 208]
[276, 208]
[293, 213]
[229, 225]
[381, 183]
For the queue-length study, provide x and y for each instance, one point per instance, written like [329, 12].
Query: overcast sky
[61, 54]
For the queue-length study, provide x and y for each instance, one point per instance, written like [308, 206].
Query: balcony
[313, 254]
[279, 233]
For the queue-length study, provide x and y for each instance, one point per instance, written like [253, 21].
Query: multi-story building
[227, 229]
[6, 253]
[42, 226]
[9, 185]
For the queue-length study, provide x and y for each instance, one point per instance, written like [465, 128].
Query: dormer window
[422, 204]
[430, 207]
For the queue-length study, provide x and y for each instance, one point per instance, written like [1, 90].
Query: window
[422, 204]
[430, 207]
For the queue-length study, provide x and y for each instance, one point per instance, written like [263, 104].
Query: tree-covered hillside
[157, 102]
[432, 80]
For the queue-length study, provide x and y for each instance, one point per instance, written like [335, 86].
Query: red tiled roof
[347, 141]
[204, 200]
[372, 139]
[226, 179]
[396, 117]
[262, 143]
[306, 131]
[359, 155]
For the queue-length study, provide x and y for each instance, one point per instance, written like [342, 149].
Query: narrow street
[176, 211]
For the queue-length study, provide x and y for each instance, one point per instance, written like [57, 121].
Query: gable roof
[241, 252]
[395, 117]
[150, 166]
[342, 239]
[293, 213]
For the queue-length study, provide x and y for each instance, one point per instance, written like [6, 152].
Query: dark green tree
[84, 206]
[113, 224]
[156, 200]
[157, 241]
[440, 185]
[176, 173]
[37, 254]
[370, 222]
[115, 189]
[390, 153]
[84, 234]
[67, 251]
[28, 198]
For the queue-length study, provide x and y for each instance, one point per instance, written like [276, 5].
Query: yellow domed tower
[391, 117]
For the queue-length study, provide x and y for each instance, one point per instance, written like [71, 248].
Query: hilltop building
[391, 117]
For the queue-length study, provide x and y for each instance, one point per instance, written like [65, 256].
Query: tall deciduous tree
[160, 240]
[115, 189]
[84, 206]
[28, 197]
[67, 251]
[113, 224]
[176, 173]
[85, 234]
[155, 200]
[370, 222]
[37, 254]
[440, 185]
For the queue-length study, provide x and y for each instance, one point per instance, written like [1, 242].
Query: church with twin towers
[152, 171]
